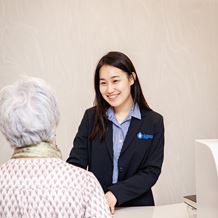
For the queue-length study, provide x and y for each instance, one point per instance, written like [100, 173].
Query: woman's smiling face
[115, 86]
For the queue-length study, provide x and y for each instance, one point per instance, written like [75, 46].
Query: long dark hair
[121, 61]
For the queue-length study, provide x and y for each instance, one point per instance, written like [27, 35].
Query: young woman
[120, 139]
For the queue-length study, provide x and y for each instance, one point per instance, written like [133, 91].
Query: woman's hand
[111, 200]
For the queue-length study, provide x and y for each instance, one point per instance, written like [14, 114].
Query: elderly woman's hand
[111, 200]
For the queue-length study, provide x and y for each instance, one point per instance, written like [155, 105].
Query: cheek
[125, 87]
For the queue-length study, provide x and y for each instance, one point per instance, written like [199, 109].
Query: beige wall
[173, 44]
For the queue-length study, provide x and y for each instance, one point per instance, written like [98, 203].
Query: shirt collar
[134, 112]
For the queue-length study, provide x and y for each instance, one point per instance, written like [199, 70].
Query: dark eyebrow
[113, 77]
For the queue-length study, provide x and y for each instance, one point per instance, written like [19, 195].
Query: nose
[110, 88]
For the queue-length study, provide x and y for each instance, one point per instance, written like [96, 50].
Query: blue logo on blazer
[141, 135]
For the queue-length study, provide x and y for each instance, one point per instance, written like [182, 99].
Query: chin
[114, 105]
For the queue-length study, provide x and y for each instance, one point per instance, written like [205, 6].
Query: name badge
[141, 135]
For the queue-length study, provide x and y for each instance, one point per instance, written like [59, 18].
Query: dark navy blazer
[140, 159]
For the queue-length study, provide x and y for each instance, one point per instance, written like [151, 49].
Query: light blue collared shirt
[119, 135]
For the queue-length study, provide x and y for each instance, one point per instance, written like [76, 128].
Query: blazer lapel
[131, 134]
[109, 140]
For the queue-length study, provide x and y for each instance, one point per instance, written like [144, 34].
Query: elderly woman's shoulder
[75, 170]
[81, 177]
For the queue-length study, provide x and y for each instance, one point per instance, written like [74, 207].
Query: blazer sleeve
[148, 173]
[79, 153]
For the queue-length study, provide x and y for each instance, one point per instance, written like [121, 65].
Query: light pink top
[47, 188]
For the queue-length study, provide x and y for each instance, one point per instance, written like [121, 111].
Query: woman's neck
[122, 111]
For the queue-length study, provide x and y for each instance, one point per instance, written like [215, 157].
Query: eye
[102, 83]
[116, 81]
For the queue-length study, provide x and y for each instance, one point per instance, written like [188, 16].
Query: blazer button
[121, 169]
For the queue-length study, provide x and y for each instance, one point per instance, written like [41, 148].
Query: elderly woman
[35, 182]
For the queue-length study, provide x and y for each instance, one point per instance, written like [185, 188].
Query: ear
[132, 78]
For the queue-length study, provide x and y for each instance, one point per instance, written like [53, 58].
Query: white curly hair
[29, 112]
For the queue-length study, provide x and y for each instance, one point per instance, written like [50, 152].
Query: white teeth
[112, 97]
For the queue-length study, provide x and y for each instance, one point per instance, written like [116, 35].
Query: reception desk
[164, 211]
